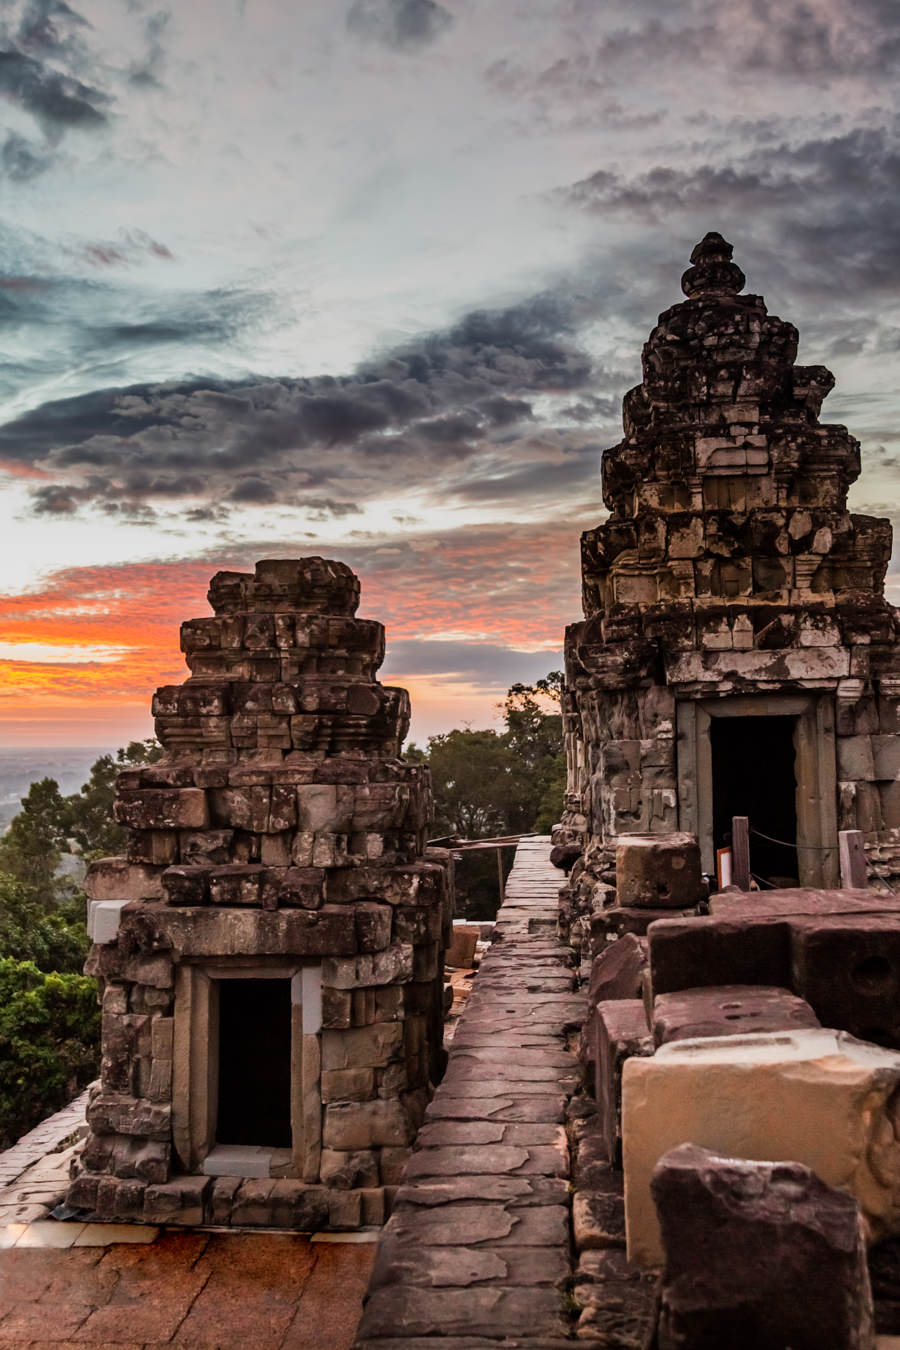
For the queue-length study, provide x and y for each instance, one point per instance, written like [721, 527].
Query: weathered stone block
[689, 953]
[373, 925]
[393, 965]
[362, 1047]
[620, 1031]
[119, 879]
[163, 809]
[347, 1170]
[658, 871]
[728, 1010]
[364, 1125]
[187, 885]
[181, 1200]
[848, 968]
[758, 1256]
[816, 1097]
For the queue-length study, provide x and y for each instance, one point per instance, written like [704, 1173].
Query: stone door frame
[195, 1101]
[816, 770]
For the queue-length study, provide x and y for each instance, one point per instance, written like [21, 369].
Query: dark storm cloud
[486, 664]
[824, 211]
[55, 100]
[432, 410]
[22, 159]
[398, 23]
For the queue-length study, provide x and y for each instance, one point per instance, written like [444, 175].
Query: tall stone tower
[270, 950]
[737, 655]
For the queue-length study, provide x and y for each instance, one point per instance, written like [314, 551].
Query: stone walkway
[477, 1251]
[34, 1172]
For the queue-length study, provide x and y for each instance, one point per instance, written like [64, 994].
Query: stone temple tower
[737, 654]
[270, 950]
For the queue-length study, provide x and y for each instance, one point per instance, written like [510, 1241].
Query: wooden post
[853, 860]
[740, 852]
[500, 872]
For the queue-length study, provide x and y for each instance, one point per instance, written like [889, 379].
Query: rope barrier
[809, 848]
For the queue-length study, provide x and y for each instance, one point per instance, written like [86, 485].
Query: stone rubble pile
[280, 837]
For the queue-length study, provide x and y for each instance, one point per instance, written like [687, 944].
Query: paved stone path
[34, 1172]
[477, 1251]
[188, 1289]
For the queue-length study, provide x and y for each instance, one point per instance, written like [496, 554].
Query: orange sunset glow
[108, 635]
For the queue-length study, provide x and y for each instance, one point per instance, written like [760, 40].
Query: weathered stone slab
[490, 1312]
[817, 1097]
[758, 1255]
[620, 1029]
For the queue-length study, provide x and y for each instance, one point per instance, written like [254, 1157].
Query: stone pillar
[280, 838]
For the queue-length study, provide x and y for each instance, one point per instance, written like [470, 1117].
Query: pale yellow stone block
[818, 1097]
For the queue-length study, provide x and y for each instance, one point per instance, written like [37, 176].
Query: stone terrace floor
[191, 1289]
[477, 1250]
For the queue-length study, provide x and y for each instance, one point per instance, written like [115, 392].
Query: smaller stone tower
[270, 951]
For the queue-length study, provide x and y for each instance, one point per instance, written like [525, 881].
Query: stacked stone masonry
[730, 580]
[280, 838]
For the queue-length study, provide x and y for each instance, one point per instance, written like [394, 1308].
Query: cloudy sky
[368, 278]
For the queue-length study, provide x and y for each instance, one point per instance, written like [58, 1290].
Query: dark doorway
[255, 1063]
[753, 775]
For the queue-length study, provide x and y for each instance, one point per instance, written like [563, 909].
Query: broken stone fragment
[758, 1256]
[818, 1097]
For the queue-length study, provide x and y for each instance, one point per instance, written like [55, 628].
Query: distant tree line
[493, 783]
[49, 1018]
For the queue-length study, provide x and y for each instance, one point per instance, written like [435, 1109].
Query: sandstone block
[187, 885]
[658, 871]
[848, 968]
[817, 1097]
[392, 965]
[688, 953]
[111, 1114]
[362, 1047]
[347, 1170]
[163, 809]
[373, 925]
[461, 951]
[236, 884]
[119, 879]
[758, 1256]
[728, 1010]
[374, 1124]
[181, 1201]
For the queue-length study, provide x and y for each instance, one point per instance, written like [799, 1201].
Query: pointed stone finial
[713, 273]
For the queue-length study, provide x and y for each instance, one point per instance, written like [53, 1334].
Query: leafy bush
[49, 1038]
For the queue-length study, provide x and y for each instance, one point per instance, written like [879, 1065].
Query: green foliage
[489, 783]
[37, 925]
[32, 847]
[89, 819]
[49, 1020]
[49, 1033]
